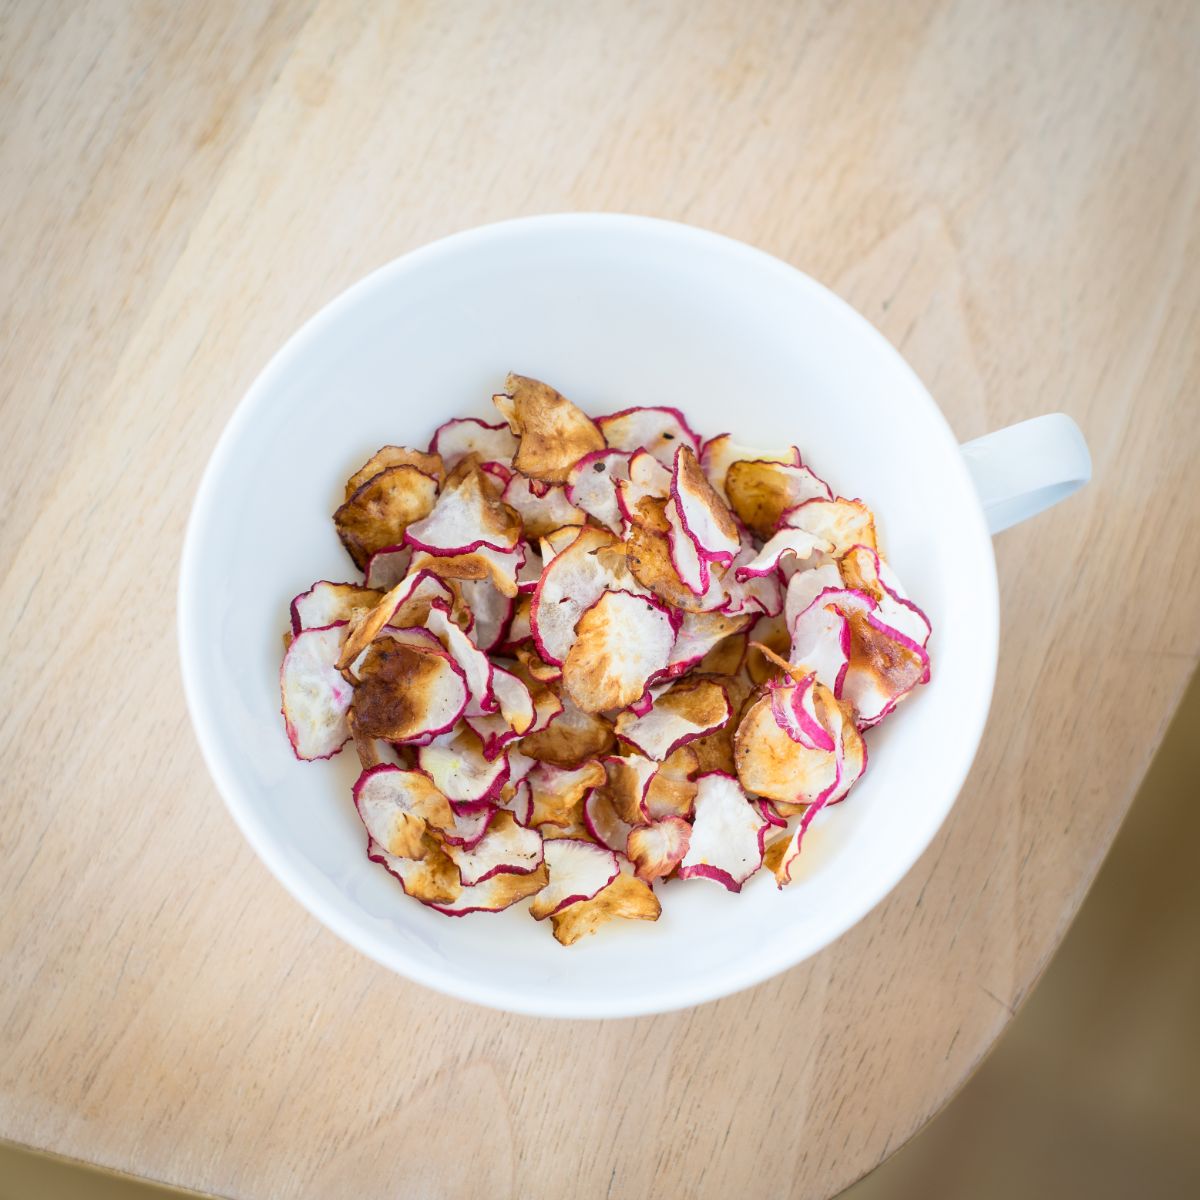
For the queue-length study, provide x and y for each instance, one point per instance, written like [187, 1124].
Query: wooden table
[1008, 190]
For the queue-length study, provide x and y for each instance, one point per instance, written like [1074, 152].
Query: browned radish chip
[702, 634]
[571, 583]
[842, 523]
[380, 511]
[679, 715]
[432, 878]
[863, 569]
[493, 895]
[534, 667]
[773, 765]
[408, 693]
[884, 666]
[648, 554]
[395, 806]
[671, 790]
[657, 849]
[761, 492]
[395, 456]
[647, 479]
[552, 434]
[794, 542]
[769, 649]
[555, 543]
[727, 837]
[628, 778]
[328, 603]
[658, 431]
[558, 792]
[406, 606]
[464, 519]
[316, 699]
[570, 737]
[603, 821]
[592, 486]
[456, 439]
[499, 566]
[721, 452]
[461, 771]
[620, 642]
[385, 568]
[821, 637]
[578, 870]
[507, 848]
[515, 700]
[544, 513]
[703, 514]
[626, 897]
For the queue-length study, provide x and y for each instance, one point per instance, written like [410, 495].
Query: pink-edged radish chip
[471, 822]
[794, 542]
[884, 667]
[500, 566]
[620, 642]
[864, 570]
[541, 514]
[703, 514]
[395, 456]
[517, 798]
[657, 849]
[507, 848]
[461, 770]
[721, 452]
[531, 570]
[493, 895]
[489, 609]
[558, 792]
[466, 518]
[648, 557]
[408, 693]
[761, 492]
[572, 582]
[648, 479]
[467, 435]
[328, 603]
[626, 897]
[432, 878]
[627, 781]
[698, 634]
[690, 565]
[578, 870]
[793, 705]
[671, 790]
[684, 712]
[515, 700]
[843, 523]
[771, 764]
[821, 636]
[493, 731]
[316, 699]
[552, 433]
[476, 666]
[659, 431]
[603, 821]
[727, 834]
[395, 806]
[379, 512]
[805, 586]
[592, 486]
[387, 567]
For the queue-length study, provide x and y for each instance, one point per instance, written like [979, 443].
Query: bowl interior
[614, 312]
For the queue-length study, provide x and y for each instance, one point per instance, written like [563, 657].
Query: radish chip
[578, 870]
[620, 642]
[588, 658]
[316, 699]
[727, 835]
[552, 434]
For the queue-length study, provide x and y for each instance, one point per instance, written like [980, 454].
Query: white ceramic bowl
[614, 311]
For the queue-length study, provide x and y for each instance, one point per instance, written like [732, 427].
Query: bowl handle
[1024, 468]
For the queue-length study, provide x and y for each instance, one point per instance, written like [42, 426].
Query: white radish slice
[647, 478]
[386, 567]
[721, 452]
[603, 822]
[476, 666]
[884, 666]
[621, 641]
[489, 609]
[843, 523]
[316, 698]
[864, 569]
[703, 514]
[690, 565]
[805, 586]
[465, 519]
[592, 486]
[471, 822]
[794, 542]
[558, 792]
[683, 713]
[507, 848]
[821, 635]
[727, 837]
[328, 603]
[794, 708]
[577, 870]
[395, 805]
[461, 770]
[541, 513]
[659, 431]
[468, 435]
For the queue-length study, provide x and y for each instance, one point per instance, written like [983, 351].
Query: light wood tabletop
[1009, 191]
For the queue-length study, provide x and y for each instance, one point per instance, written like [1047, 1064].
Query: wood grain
[1009, 191]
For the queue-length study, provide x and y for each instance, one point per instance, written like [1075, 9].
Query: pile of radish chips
[589, 656]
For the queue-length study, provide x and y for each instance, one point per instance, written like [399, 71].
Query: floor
[1094, 1090]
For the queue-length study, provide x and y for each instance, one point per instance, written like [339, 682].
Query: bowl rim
[256, 830]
